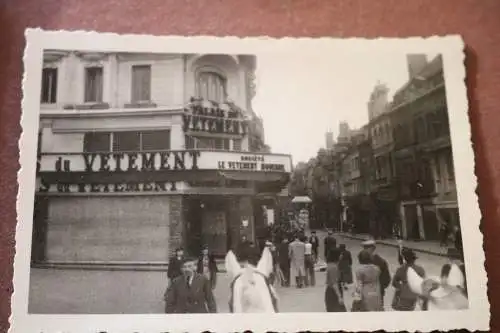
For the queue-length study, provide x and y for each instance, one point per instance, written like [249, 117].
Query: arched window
[211, 86]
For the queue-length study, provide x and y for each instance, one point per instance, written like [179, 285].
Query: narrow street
[106, 292]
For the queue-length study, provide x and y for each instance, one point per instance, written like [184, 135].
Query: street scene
[68, 291]
[158, 192]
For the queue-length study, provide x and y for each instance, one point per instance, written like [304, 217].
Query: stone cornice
[142, 112]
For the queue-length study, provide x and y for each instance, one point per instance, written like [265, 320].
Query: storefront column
[404, 229]
[420, 220]
[177, 234]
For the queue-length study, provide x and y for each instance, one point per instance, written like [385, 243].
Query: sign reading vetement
[116, 162]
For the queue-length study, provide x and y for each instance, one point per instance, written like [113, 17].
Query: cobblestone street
[95, 292]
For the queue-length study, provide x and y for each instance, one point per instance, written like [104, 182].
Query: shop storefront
[139, 207]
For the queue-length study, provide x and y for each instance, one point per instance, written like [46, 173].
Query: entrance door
[214, 231]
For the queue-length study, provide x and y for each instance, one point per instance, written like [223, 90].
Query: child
[345, 266]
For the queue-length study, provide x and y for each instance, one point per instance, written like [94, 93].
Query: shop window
[237, 144]
[93, 84]
[155, 140]
[94, 142]
[211, 86]
[49, 86]
[141, 83]
[126, 141]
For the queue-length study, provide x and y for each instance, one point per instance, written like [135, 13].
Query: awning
[301, 199]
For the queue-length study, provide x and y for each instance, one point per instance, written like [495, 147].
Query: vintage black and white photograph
[330, 181]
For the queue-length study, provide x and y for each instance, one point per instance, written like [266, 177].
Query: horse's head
[251, 291]
[446, 293]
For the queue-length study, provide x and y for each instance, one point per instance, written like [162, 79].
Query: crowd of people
[295, 256]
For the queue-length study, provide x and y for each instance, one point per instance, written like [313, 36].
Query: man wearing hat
[330, 243]
[190, 292]
[207, 266]
[381, 263]
[404, 298]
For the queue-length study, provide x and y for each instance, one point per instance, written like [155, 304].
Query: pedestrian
[284, 261]
[274, 255]
[334, 300]
[330, 243]
[381, 263]
[314, 240]
[175, 264]
[345, 266]
[190, 292]
[368, 283]
[310, 278]
[400, 250]
[454, 257]
[297, 261]
[444, 233]
[405, 299]
[207, 266]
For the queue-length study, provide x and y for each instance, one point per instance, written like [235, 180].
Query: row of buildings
[396, 173]
[139, 154]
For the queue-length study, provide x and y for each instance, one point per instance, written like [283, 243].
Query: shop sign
[253, 163]
[159, 187]
[116, 162]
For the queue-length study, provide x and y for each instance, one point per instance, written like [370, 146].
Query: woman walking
[333, 294]
[345, 266]
[368, 283]
[404, 298]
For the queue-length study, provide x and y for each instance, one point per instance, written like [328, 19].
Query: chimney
[416, 63]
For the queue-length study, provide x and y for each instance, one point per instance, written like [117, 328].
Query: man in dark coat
[330, 243]
[284, 261]
[190, 292]
[175, 264]
[381, 263]
[314, 240]
[207, 266]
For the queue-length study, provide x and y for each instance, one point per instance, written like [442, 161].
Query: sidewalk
[429, 247]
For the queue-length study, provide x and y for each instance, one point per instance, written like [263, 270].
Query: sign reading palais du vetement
[164, 161]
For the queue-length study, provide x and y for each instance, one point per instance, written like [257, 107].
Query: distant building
[329, 140]
[379, 101]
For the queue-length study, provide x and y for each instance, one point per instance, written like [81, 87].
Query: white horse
[445, 293]
[251, 291]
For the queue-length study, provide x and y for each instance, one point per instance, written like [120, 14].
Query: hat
[369, 242]
[408, 254]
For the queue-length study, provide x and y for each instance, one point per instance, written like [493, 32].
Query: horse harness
[274, 300]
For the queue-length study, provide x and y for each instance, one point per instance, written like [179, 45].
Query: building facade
[142, 153]
[424, 160]
[398, 177]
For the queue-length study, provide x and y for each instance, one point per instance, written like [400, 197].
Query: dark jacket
[314, 240]
[385, 275]
[212, 267]
[405, 299]
[174, 268]
[197, 298]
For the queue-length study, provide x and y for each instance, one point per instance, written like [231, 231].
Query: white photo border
[452, 49]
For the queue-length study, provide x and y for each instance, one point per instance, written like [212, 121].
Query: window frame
[112, 148]
[211, 74]
[133, 98]
[52, 92]
[99, 95]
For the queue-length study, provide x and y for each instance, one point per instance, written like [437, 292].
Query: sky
[301, 96]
